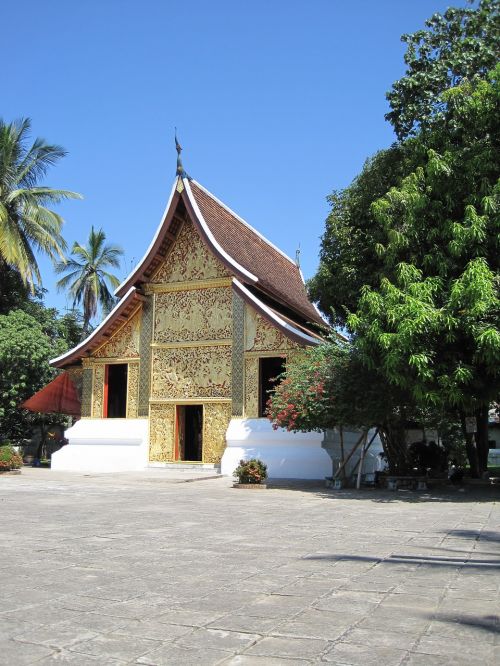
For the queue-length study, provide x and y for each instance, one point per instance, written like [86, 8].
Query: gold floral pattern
[192, 372]
[216, 417]
[260, 335]
[98, 391]
[161, 432]
[132, 390]
[187, 316]
[124, 343]
[252, 388]
[189, 259]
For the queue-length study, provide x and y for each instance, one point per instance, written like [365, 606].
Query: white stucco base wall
[287, 455]
[104, 445]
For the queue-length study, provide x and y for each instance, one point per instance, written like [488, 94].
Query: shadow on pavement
[426, 560]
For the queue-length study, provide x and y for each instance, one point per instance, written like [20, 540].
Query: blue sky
[277, 104]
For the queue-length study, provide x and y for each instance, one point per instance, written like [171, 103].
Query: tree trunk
[471, 450]
[482, 438]
[393, 436]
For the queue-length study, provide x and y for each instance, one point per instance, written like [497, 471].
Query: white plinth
[104, 445]
[287, 455]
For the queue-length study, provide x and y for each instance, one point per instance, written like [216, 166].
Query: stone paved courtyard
[136, 568]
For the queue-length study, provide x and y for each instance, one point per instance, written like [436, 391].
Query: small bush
[9, 458]
[251, 471]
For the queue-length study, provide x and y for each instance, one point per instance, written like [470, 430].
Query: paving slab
[144, 568]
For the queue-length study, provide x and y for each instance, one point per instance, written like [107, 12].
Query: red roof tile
[277, 275]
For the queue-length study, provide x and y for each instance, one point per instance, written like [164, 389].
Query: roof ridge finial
[297, 257]
[181, 172]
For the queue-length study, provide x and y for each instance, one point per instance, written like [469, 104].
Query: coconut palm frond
[26, 224]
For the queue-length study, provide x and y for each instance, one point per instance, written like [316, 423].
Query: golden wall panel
[260, 335]
[125, 342]
[191, 372]
[98, 391]
[195, 315]
[132, 390]
[161, 433]
[252, 388]
[189, 259]
[216, 417]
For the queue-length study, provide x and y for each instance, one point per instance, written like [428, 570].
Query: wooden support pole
[366, 449]
[341, 468]
[361, 460]
[342, 455]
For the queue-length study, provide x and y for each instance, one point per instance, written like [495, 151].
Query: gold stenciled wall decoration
[216, 417]
[98, 391]
[125, 342]
[261, 339]
[161, 432]
[194, 315]
[132, 390]
[260, 335]
[191, 372]
[189, 259]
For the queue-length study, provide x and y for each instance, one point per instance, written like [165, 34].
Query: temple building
[179, 371]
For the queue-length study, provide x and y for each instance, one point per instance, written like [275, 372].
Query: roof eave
[94, 338]
[273, 318]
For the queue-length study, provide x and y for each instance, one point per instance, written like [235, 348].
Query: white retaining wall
[287, 455]
[104, 445]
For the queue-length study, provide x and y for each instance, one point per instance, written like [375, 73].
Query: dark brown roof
[277, 275]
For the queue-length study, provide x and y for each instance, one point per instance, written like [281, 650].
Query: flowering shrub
[306, 399]
[251, 471]
[9, 459]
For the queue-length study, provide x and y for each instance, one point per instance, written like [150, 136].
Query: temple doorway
[115, 391]
[190, 433]
[269, 369]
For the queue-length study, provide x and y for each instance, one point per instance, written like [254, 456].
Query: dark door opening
[190, 432]
[269, 369]
[116, 389]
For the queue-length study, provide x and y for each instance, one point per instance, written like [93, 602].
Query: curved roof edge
[201, 225]
[272, 317]
[78, 351]
[121, 289]
[214, 245]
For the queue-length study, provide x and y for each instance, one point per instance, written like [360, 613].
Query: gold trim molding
[190, 345]
[186, 401]
[152, 288]
[267, 354]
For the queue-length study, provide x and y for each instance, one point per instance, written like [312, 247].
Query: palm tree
[86, 277]
[26, 224]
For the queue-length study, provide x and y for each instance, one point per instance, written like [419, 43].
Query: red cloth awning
[58, 397]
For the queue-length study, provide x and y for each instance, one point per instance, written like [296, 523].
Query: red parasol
[58, 397]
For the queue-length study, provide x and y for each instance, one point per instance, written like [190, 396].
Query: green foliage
[27, 342]
[251, 471]
[9, 458]
[86, 275]
[433, 323]
[462, 44]
[27, 225]
[349, 256]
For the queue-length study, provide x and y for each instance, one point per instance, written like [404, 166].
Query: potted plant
[251, 474]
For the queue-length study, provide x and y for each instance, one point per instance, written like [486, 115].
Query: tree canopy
[27, 225]
[461, 44]
[86, 276]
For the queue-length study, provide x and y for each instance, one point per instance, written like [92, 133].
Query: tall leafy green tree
[433, 324]
[86, 276]
[27, 224]
[461, 44]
